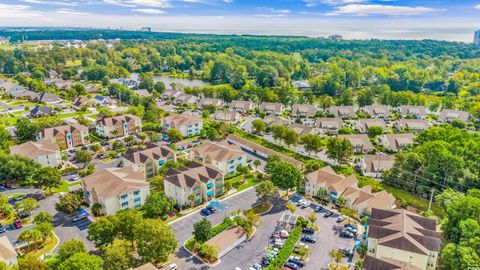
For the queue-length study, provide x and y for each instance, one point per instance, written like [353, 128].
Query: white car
[80, 217]
[172, 266]
[301, 202]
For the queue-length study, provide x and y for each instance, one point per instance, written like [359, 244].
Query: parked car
[2, 229]
[23, 215]
[172, 266]
[341, 218]
[292, 265]
[82, 216]
[297, 260]
[205, 212]
[346, 234]
[346, 251]
[7, 185]
[73, 178]
[212, 208]
[17, 223]
[351, 228]
[308, 230]
[256, 267]
[308, 239]
[328, 214]
[305, 204]
[265, 261]
[301, 202]
[318, 208]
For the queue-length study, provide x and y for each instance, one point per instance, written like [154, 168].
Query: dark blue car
[292, 265]
[205, 212]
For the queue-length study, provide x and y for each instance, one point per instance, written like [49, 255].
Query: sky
[454, 20]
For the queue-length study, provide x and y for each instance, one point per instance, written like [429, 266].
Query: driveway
[63, 227]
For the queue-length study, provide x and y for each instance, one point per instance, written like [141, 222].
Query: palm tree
[256, 163]
[336, 256]
[191, 197]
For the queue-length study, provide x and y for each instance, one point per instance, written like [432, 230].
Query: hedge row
[286, 250]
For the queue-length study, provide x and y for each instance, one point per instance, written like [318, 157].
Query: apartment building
[363, 125]
[43, 152]
[8, 255]
[222, 155]
[204, 182]
[326, 178]
[117, 126]
[447, 116]
[412, 124]
[188, 125]
[149, 159]
[69, 136]
[363, 200]
[204, 102]
[403, 236]
[375, 165]
[116, 189]
[231, 117]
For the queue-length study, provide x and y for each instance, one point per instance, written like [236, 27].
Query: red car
[18, 223]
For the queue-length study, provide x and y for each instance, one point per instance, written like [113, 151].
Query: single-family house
[186, 99]
[272, 108]
[273, 120]
[412, 124]
[48, 98]
[188, 125]
[24, 94]
[41, 111]
[375, 165]
[149, 159]
[203, 182]
[303, 110]
[102, 101]
[204, 102]
[360, 142]
[80, 103]
[222, 155]
[363, 125]
[170, 94]
[343, 112]
[301, 129]
[117, 126]
[116, 189]
[329, 126]
[403, 236]
[43, 152]
[301, 85]
[446, 116]
[377, 111]
[417, 112]
[142, 93]
[241, 106]
[395, 142]
[231, 117]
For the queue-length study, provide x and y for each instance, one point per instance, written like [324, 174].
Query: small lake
[167, 80]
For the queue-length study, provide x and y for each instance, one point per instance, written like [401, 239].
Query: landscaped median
[286, 250]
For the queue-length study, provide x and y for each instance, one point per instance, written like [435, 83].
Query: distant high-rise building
[476, 39]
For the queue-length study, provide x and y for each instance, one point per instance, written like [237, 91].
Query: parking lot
[327, 238]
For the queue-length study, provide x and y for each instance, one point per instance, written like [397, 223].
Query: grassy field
[236, 182]
[64, 186]
[46, 249]
[414, 201]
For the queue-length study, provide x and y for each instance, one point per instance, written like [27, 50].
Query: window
[196, 124]
[240, 158]
[161, 162]
[170, 158]
[138, 205]
[231, 161]
[196, 188]
[231, 167]
[124, 204]
[136, 192]
[219, 186]
[149, 164]
[219, 179]
[149, 170]
[138, 199]
[124, 196]
[209, 185]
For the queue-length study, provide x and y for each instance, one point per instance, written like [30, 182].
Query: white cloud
[136, 3]
[16, 11]
[71, 12]
[55, 3]
[151, 11]
[313, 3]
[363, 10]
[477, 6]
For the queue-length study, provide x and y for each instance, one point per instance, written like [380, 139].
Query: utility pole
[431, 199]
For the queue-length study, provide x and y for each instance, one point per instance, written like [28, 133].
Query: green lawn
[64, 186]
[46, 249]
[414, 201]
[250, 181]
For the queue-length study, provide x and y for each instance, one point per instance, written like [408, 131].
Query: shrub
[286, 250]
